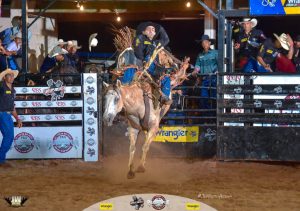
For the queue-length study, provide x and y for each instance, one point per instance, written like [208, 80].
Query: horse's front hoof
[141, 169]
[130, 175]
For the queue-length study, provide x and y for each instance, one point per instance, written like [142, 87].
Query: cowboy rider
[150, 36]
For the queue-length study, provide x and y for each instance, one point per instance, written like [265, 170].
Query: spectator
[247, 44]
[7, 110]
[54, 59]
[296, 57]
[13, 48]
[207, 63]
[275, 55]
[8, 34]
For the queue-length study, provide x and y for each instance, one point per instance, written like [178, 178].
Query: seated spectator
[296, 56]
[13, 48]
[54, 59]
[207, 63]
[275, 55]
[247, 43]
[8, 34]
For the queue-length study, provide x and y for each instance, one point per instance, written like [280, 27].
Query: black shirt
[268, 52]
[7, 97]
[250, 43]
[296, 58]
[143, 46]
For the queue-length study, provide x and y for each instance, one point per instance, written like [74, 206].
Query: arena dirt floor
[63, 185]
[74, 185]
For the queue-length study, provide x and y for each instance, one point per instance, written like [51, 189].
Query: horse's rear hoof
[141, 169]
[130, 175]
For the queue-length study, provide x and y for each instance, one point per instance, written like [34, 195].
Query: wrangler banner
[177, 134]
[274, 7]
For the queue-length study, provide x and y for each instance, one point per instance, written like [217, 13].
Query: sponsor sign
[274, 7]
[177, 134]
[46, 142]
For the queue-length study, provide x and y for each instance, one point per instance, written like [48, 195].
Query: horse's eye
[116, 100]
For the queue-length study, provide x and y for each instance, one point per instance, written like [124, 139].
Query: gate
[259, 117]
[59, 121]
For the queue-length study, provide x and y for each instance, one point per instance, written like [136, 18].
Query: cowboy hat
[8, 71]
[73, 44]
[297, 39]
[61, 42]
[57, 51]
[142, 27]
[205, 37]
[93, 42]
[252, 20]
[283, 41]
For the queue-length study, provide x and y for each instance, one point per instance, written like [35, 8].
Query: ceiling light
[119, 19]
[188, 4]
[81, 8]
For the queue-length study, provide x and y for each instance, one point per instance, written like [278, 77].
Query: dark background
[182, 33]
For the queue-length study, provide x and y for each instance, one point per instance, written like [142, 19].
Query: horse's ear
[119, 83]
[106, 85]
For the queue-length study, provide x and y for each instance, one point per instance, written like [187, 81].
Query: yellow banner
[177, 134]
[106, 206]
[291, 6]
[192, 206]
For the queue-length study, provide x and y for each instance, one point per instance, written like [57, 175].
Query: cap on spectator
[8, 71]
[57, 51]
[283, 41]
[252, 20]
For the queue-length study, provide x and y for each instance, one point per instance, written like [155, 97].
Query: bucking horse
[137, 101]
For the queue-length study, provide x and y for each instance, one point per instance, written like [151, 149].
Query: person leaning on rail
[207, 63]
[276, 55]
[7, 109]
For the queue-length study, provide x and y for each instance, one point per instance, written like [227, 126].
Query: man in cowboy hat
[54, 59]
[247, 43]
[296, 57]
[276, 55]
[150, 36]
[7, 108]
[207, 64]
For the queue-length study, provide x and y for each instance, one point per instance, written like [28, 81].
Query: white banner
[46, 142]
[40, 90]
[50, 117]
[49, 104]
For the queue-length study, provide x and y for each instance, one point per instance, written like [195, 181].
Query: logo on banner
[63, 142]
[270, 3]
[56, 90]
[137, 202]
[177, 134]
[158, 202]
[24, 142]
[16, 201]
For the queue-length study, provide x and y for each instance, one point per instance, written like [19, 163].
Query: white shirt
[13, 46]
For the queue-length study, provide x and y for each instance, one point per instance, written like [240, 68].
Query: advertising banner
[46, 142]
[177, 134]
[274, 7]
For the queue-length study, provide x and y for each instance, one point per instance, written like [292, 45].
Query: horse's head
[112, 102]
